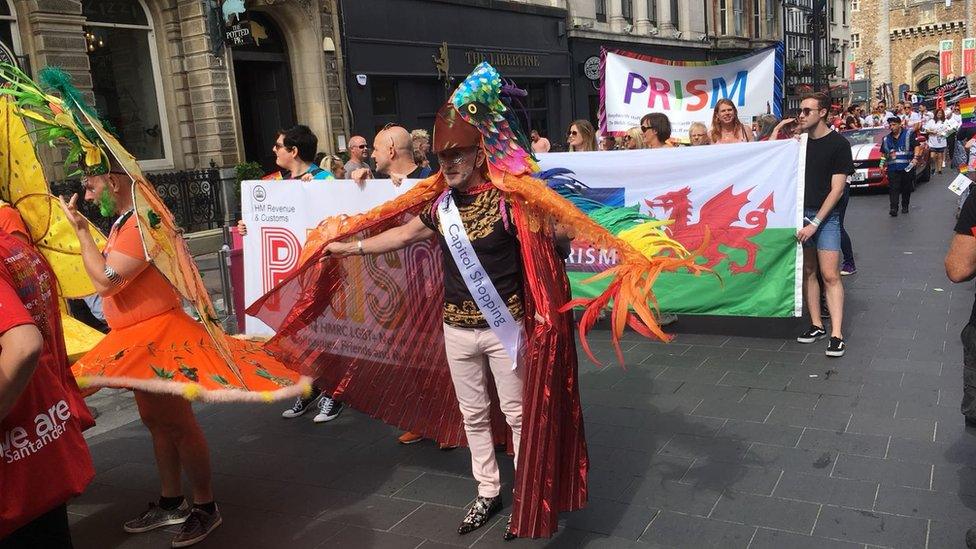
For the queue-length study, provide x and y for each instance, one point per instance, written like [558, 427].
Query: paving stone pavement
[711, 441]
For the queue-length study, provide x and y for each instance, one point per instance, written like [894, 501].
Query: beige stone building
[178, 100]
[901, 39]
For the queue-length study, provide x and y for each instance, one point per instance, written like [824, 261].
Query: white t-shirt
[936, 132]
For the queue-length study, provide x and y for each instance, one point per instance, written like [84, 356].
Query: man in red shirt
[44, 460]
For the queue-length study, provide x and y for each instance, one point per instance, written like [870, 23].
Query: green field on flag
[725, 294]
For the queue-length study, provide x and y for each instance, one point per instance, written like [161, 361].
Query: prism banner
[633, 85]
[279, 215]
[738, 205]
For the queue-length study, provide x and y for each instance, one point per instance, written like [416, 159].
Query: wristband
[359, 246]
[816, 221]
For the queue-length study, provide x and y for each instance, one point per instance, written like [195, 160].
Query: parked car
[866, 150]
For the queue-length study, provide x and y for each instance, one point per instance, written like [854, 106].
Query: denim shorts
[827, 237]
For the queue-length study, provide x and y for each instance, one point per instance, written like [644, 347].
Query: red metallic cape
[371, 329]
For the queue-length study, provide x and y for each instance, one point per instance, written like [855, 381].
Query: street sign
[860, 90]
[239, 34]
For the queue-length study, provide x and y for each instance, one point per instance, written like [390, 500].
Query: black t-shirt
[829, 155]
[417, 173]
[965, 226]
[498, 250]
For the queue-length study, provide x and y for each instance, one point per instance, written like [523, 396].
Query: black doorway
[264, 92]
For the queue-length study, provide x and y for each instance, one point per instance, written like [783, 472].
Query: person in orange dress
[167, 358]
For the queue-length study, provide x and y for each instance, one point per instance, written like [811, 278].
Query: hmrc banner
[632, 85]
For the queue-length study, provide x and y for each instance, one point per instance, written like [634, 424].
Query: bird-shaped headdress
[478, 104]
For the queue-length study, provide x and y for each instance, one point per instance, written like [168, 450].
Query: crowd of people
[522, 266]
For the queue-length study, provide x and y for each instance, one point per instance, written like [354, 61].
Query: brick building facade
[902, 37]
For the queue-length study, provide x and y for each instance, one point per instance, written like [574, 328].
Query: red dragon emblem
[716, 220]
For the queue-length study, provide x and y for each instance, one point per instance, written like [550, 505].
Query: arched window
[8, 27]
[125, 77]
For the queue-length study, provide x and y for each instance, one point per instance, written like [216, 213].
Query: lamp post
[869, 64]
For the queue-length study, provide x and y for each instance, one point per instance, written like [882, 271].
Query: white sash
[482, 290]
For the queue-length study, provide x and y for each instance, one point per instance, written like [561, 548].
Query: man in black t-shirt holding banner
[828, 164]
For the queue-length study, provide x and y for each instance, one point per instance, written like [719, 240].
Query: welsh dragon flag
[740, 205]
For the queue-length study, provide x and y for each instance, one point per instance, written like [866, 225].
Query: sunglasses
[805, 111]
[359, 146]
[452, 159]
[644, 128]
[572, 132]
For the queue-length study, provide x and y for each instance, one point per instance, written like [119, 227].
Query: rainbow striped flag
[967, 109]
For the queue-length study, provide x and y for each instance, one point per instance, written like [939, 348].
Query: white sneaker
[329, 409]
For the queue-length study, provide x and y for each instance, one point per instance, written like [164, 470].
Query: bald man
[357, 154]
[393, 155]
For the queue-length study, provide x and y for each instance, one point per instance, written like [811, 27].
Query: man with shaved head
[357, 154]
[393, 155]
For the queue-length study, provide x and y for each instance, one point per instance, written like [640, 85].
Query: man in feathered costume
[143, 274]
[475, 246]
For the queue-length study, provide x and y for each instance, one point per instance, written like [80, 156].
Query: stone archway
[301, 26]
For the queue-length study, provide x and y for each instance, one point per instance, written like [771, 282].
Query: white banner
[633, 85]
[279, 215]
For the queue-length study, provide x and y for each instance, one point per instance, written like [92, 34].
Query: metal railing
[193, 196]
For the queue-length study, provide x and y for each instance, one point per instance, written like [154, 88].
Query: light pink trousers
[470, 352]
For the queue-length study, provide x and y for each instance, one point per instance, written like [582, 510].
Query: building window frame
[627, 10]
[15, 43]
[855, 5]
[652, 11]
[832, 11]
[756, 18]
[166, 162]
[855, 40]
[723, 17]
[601, 10]
[843, 13]
[675, 15]
[738, 16]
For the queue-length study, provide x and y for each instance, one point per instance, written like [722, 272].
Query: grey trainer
[157, 517]
[197, 527]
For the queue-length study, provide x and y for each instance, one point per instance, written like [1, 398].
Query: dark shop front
[404, 57]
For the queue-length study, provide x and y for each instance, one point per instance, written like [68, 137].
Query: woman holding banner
[726, 126]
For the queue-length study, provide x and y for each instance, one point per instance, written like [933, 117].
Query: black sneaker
[836, 347]
[904, 209]
[302, 405]
[329, 409]
[478, 514]
[812, 335]
[893, 213]
[197, 527]
[157, 517]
